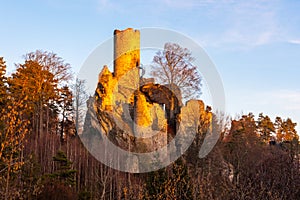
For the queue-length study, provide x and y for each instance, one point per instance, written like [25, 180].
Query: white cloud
[107, 6]
[284, 100]
[247, 24]
[239, 24]
[187, 3]
[290, 100]
[294, 41]
[104, 4]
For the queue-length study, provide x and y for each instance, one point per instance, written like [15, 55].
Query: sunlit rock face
[104, 90]
[194, 114]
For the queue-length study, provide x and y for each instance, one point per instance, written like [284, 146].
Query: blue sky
[254, 44]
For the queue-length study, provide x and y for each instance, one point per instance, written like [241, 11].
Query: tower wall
[126, 51]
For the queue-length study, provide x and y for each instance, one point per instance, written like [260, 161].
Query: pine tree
[39, 81]
[278, 127]
[64, 173]
[285, 129]
[38, 87]
[65, 104]
[265, 127]
[60, 184]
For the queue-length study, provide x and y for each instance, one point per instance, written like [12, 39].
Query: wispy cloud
[238, 24]
[294, 41]
[187, 3]
[290, 100]
[287, 100]
[247, 24]
[105, 6]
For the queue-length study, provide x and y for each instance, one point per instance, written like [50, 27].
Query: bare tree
[52, 63]
[173, 66]
[79, 97]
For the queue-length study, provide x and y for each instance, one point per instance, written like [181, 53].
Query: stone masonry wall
[126, 51]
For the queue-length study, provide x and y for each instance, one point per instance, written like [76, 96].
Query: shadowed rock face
[169, 98]
[162, 94]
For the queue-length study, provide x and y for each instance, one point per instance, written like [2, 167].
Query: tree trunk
[77, 114]
[7, 178]
[62, 127]
[40, 119]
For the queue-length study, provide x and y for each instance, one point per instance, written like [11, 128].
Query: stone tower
[121, 84]
[126, 71]
[126, 51]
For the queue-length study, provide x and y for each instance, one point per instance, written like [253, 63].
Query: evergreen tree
[64, 173]
[38, 87]
[39, 81]
[65, 103]
[285, 129]
[60, 184]
[265, 127]
[279, 130]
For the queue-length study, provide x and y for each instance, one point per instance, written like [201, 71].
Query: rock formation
[133, 112]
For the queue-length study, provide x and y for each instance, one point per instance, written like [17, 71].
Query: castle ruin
[136, 115]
